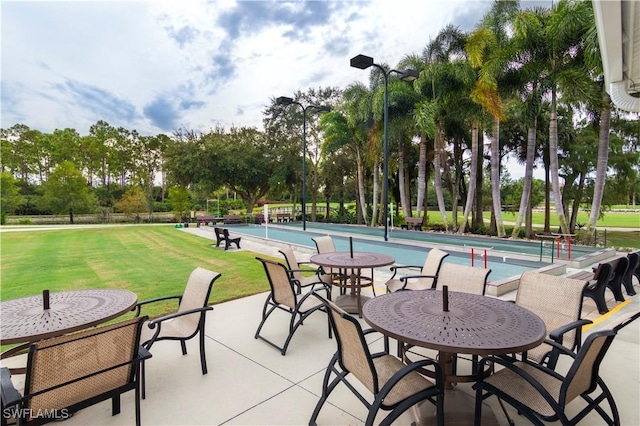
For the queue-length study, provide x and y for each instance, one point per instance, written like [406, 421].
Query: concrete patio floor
[250, 383]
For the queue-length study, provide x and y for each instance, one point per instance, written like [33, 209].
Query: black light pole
[363, 62]
[283, 100]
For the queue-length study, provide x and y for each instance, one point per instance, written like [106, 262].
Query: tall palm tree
[357, 103]
[531, 57]
[564, 34]
[488, 52]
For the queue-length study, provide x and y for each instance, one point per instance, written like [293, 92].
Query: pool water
[404, 253]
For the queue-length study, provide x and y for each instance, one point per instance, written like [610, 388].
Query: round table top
[360, 259]
[25, 319]
[477, 325]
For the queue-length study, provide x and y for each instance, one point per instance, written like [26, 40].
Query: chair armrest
[155, 321]
[395, 268]
[143, 353]
[406, 279]
[414, 366]
[138, 306]
[9, 394]
[556, 335]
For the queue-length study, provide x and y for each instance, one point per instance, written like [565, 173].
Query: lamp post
[283, 100]
[363, 62]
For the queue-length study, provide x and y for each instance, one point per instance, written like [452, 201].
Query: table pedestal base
[459, 409]
[349, 302]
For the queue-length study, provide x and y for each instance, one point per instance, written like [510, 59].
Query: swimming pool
[404, 253]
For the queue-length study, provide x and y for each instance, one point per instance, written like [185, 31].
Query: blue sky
[156, 66]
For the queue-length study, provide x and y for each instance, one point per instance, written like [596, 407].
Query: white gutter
[621, 98]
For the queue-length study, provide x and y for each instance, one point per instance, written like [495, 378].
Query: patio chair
[558, 302]
[627, 280]
[425, 279]
[283, 297]
[68, 373]
[187, 322]
[395, 386]
[301, 281]
[463, 279]
[539, 393]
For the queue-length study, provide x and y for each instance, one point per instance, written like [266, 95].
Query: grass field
[149, 260]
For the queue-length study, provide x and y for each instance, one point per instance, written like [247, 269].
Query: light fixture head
[362, 62]
[283, 100]
[323, 108]
[409, 75]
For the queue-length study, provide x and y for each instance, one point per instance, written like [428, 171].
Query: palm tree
[564, 34]
[488, 51]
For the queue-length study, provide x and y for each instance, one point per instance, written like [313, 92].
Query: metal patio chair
[395, 386]
[301, 281]
[540, 393]
[426, 277]
[284, 297]
[187, 322]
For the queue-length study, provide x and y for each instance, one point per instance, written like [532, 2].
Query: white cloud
[157, 65]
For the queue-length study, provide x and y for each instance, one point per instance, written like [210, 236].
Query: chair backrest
[431, 266]
[353, 352]
[556, 300]
[324, 244]
[626, 320]
[463, 279]
[583, 374]
[292, 262]
[196, 295]
[619, 268]
[96, 361]
[282, 290]
[634, 262]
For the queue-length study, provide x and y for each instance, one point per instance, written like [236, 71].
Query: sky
[157, 66]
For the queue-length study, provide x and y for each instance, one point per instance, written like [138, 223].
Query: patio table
[355, 261]
[473, 324]
[33, 318]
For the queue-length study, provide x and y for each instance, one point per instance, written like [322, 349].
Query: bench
[207, 220]
[606, 275]
[68, 373]
[283, 217]
[412, 222]
[229, 219]
[222, 234]
[258, 219]
[633, 269]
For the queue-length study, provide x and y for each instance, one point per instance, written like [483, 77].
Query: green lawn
[148, 260]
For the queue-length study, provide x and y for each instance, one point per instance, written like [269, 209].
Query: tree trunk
[376, 190]
[603, 159]
[406, 204]
[495, 177]
[528, 179]
[422, 175]
[437, 176]
[71, 216]
[362, 195]
[472, 177]
[553, 164]
[478, 219]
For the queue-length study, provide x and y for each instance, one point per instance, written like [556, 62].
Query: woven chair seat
[386, 366]
[510, 383]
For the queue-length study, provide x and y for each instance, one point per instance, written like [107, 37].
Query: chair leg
[142, 380]
[203, 358]
[137, 404]
[115, 405]
[184, 347]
